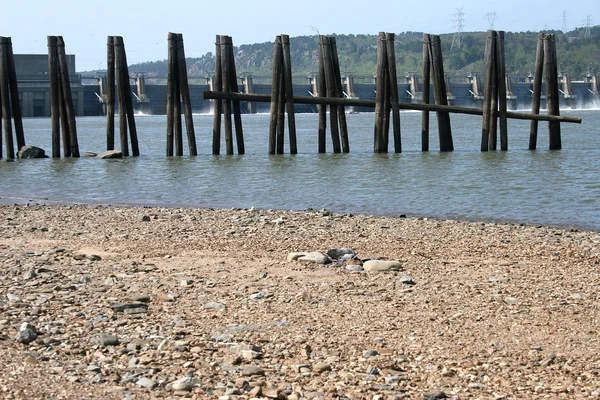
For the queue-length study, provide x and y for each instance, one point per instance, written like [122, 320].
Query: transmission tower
[491, 18]
[564, 22]
[588, 26]
[459, 24]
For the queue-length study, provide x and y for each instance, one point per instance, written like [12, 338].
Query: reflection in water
[560, 187]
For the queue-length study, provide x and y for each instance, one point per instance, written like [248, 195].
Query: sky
[144, 26]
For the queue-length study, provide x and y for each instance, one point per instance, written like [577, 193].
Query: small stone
[26, 336]
[354, 268]
[110, 154]
[510, 300]
[212, 305]
[436, 394]
[30, 274]
[104, 339]
[31, 360]
[295, 255]
[315, 257]
[251, 370]
[144, 218]
[407, 280]
[381, 265]
[147, 383]
[321, 367]
[257, 296]
[370, 353]
[340, 253]
[31, 152]
[184, 384]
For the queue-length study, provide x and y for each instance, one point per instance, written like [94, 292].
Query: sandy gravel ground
[133, 303]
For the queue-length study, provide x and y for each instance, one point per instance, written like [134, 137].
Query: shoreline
[162, 302]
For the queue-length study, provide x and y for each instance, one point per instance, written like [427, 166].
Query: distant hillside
[577, 55]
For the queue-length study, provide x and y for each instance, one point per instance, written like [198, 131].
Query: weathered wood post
[237, 113]
[339, 93]
[537, 90]
[425, 92]
[54, 95]
[217, 108]
[501, 72]
[552, 91]
[289, 91]
[5, 99]
[121, 96]
[110, 93]
[275, 89]
[65, 84]
[171, 75]
[322, 92]
[380, 82]
[14, 96]
[391, 54]
[440, 95]
[330, 85]
[184, 90]
[226, 87]
[487, 94]
[493, 144]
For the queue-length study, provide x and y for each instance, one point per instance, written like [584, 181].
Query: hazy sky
[145, 25]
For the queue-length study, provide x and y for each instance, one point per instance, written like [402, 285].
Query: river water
[539, 187]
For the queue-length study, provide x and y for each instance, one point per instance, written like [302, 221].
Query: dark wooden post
[63, 71]
[110, 93]
[537, 90]
[217, 108]
[552, 91]
[14, 96]
[330, 84]
[54, 95]
[226, 82]
[64, 121]
[121, 96]
[440, 95]
[135, 151]
[5, 99]
[501, 72]
[280, 138]
[425, 92]
[493, 144]
[289, 91]
[487, 94]
[177, 124]
[275, 88]
[322, 86]
[391, 54]
[171, 83]
[380, 93]
[185, 95]
[237, 112]
[339, 93]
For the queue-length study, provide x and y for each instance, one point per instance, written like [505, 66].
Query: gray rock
[30, 274]
[257, 296]
[105, 339]
[251, 370]
[184, 384]
[147, 383]
[13, 298]
[436, 394]
[121, 307]
[370, 353]
[213, 305]
[26, 336]
[31, 152]
[407, 280]
[354, 267]
[321, 367]
[382, 265]
[110, 154]
[296, 255]
[340, 253]
[315, 257]
[89, 154]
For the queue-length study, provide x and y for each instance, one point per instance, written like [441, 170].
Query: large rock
[382, 265]
[31, 152]
[339, 253]
[110, 154]
[315, 257]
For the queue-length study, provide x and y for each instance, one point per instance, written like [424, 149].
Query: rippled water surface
[548, 187]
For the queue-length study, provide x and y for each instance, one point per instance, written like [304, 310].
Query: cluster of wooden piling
[9, 98]
[330, 85]
[226, 82]
[494, 99]
[545, 58]
[116, 67]
[61, 101]
[178, 90]
[283, 96]
[433, 69]
[386, 95]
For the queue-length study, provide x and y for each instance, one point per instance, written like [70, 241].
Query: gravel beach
[108, 302]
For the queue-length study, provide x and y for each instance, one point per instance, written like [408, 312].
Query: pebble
[407, 280]
[105, 339]
[146, 382]
[321, 367]
[213, 305]
[381, 265]
[315, 257]
[26, 336]
[251, 370]
[339, 253]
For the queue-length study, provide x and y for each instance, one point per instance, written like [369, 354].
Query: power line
[459, 24]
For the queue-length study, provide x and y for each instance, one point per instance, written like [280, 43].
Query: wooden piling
[171, 74]
[440, 95]
[64, 121]
[177, 124]
[322, 87]
[330, 85]
[501, 72]
[425, 92]
[217, 107]
[185, 95]
[5, 99]
[537, 90]
[275, 88]
[135, 151]
[552, 90]
[493, 129]
[280, 137]
[121, 97]
[54, 95]
[393, 78]
[339, 93]
[289, 92]
[237, 112]
[226, 82]
[380, 94]
[110, 93]
[63, 71]
[14, 96]
[487, 94]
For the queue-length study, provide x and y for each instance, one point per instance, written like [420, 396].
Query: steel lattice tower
[459, 24]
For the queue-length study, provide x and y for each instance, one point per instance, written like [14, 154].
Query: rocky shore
[104, 302]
